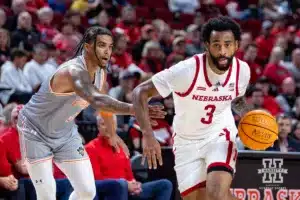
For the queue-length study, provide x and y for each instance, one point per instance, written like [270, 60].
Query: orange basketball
[258, 130]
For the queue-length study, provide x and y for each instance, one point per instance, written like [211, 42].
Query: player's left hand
[151, 151]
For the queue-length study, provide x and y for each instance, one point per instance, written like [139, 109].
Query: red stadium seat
[155, 4]
[187, 18]
[143, 12]
[164, 14]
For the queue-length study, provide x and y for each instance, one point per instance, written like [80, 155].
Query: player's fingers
[153, 157]
[149, 160]
[144, 156]
[153, 122]
[159, 156]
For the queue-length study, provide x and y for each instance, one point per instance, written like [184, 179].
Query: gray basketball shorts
[35, 147]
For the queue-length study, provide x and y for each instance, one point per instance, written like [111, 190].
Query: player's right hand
[151, 151]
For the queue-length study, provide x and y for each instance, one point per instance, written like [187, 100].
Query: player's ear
[87, 47]
[237, 44]
[206, 45]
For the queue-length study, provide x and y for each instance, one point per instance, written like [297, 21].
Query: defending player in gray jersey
[46, 124]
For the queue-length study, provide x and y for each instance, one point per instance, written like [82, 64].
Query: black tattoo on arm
[240, 106]
[140, 97]
[84, 87]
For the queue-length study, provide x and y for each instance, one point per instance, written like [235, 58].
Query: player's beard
[216, 61]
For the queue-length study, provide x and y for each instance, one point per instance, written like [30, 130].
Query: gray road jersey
[53, 113]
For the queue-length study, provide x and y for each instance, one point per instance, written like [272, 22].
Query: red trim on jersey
[228, 76]
[205, 71]
[218, 164]
[237, 77]
[230, 145]
[194, 80]
[229, 153]
[206, 76]
[192, 189]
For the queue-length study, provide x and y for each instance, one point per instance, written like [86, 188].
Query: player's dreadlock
[91, 36]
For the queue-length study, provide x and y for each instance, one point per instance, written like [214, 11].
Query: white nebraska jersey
[202, 98]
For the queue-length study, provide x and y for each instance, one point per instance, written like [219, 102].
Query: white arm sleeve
[177, 78]
[244, 78]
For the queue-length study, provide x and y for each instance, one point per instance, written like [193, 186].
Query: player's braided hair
[90, 36]
[221, 23]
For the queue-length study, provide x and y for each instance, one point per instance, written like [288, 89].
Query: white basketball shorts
[195, 158]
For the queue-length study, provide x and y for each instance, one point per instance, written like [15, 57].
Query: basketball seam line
[262, 114]
[254, 139]
[259, 127]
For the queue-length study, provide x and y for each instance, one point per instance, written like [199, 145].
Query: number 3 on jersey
[209, 114]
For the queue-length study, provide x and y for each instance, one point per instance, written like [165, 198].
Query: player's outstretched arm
[240, 106]
[83, 86]
[151, 148]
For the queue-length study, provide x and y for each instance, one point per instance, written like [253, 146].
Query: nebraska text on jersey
[212, 98]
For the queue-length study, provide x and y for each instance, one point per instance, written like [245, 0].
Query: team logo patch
[231, 86]
[80, 150]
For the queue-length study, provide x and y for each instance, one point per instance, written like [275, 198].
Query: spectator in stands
[102, 19]
[123, 92]
[184, 6]
[11, 168]
[162, 132]
[296, 111]
[2, 18]
[8, 183]
[120, 59]
[194, 43]
[6, 118]
[13, 77]
[291, 35]
[285, 142]
[38, 70]
[110, 164]
[281, 41]
[294, 66]
[271, 11]
[45, 26]
[128, 24]
[17, 6]
[75, 18]
[274, 70]
[179, 48]
[265, 42]
[270, 103]
[287, 98]
[256, 98]
[152, 58]
[33, 6]
[4, 45]
[165, 38]
[25, 36]
[147, 33]
[53, 55]
[68, 38]
[296, 132]
[250, 57]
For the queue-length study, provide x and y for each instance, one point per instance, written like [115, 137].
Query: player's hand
[151, 151]
[156, 112]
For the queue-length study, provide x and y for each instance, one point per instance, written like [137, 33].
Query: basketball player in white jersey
[46, 124]
[204, 88]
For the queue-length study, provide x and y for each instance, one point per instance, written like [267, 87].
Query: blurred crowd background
[36, 36]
